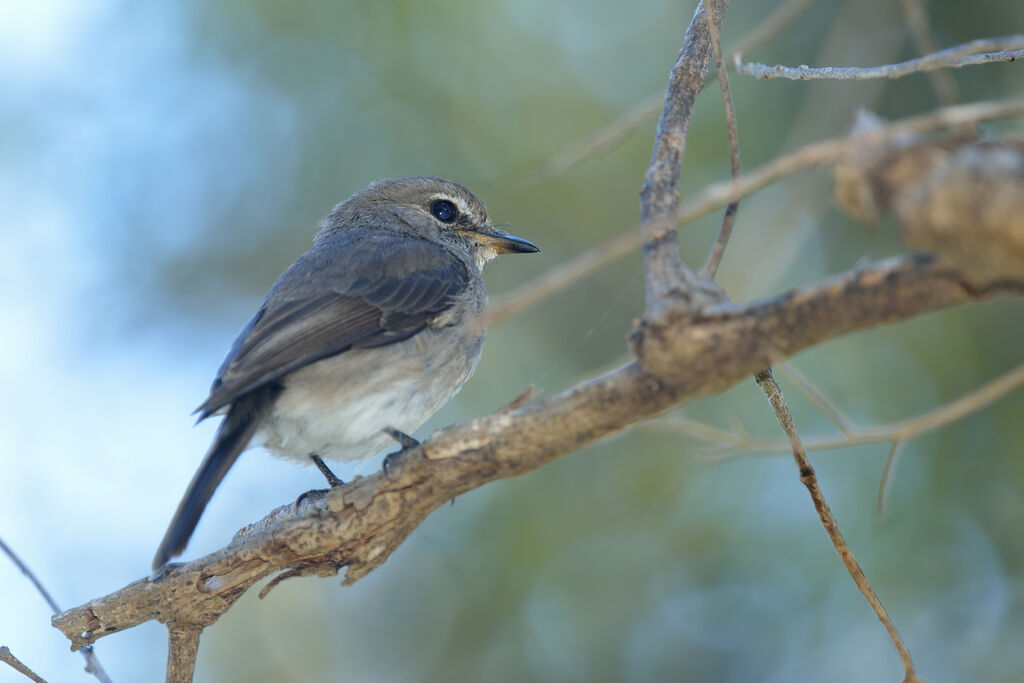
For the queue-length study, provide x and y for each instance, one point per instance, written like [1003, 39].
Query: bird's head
[430, 208]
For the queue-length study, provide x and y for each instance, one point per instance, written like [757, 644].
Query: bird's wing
[360, 289]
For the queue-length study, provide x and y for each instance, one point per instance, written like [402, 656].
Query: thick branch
[182, 648]
[667, 277]
[684, 354]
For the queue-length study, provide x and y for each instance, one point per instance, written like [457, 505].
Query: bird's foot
[404, 440]
[311, 495]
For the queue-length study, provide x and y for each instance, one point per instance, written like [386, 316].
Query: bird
[359, 341]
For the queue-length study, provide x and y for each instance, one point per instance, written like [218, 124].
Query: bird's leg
[332, 479]
[404, 440]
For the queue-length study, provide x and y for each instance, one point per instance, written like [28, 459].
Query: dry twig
[92, 663]
[817, 397]
[16, 664]
[718, 250]
[809, 479]
[920, 31]
[737, 443]
[1006, 49]
[896, 434]
[768, 28]
[774, 394]
[718, 195]
[611, 135]
[563, 275]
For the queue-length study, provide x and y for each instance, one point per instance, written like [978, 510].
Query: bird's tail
[233, 435]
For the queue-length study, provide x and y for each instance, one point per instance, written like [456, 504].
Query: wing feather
[362, 288]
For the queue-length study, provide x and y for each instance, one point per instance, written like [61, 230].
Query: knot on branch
[655, 341]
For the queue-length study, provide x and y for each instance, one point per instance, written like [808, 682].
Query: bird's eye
[444, 211]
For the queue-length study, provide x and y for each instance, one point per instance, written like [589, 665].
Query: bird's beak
[502, 243]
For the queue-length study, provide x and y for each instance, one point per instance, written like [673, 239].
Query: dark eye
[444, 211]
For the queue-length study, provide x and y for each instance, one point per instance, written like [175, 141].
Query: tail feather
[233, 435]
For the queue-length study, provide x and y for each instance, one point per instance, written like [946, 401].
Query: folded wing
[361, 289]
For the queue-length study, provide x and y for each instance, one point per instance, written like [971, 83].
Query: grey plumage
[376, 326]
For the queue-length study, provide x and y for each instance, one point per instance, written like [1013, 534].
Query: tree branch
[1006, 49]
[16, 664]
[768, 27]
[182, 649]
[916, 19]
[92, 662]
[718, 195]
[609, 136]
[810, 480]
[667, 277]
[731, 444]
[710, 268]
[683, 354]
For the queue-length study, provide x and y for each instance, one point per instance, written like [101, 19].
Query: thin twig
[92, 663]
[888, 475]
[681, 424]
[717, 195]
[611, 135]
[23, 568]
[920, 31]
[768, 28]
[560, 277]
[1006, 49]
[15, 663]
[896, 434]
[715, 257]
[603, 140]
[740, 442]
[809, 479]
[817, 397]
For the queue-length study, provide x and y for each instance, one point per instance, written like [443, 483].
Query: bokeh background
[162, 162]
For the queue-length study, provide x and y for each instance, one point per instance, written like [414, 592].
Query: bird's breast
[337, 407]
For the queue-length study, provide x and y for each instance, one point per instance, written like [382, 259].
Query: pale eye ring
[444, 210]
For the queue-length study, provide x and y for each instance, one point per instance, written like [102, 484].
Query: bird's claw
[311, 494]
[404, 440]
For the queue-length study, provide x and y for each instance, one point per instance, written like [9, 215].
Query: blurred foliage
[195, 145]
